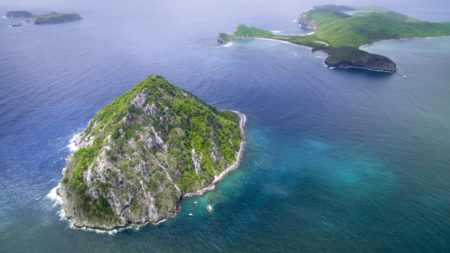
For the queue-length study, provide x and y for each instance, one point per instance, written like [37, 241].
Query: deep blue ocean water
[336, 160]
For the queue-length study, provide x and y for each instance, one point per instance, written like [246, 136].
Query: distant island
[19, 14]
[341, 30]
[56, 18]
[145, 151]
[50, 18]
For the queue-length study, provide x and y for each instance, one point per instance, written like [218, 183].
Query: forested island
[145, 151]
[341, 30]
[50, 18]
[19, 14]
[56, 18]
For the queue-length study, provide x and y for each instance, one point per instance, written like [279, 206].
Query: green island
[56, 18]
[341, 30]
[19, 14]
[145, 151]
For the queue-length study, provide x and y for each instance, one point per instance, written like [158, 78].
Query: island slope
[341, 30]
[143, 152]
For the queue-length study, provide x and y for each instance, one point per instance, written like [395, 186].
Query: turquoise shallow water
[335, 160]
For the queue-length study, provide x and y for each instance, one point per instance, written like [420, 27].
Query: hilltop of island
[145, 151]
[341, 30]
[56, 18]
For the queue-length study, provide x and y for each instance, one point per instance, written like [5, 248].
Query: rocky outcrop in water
[306, 21]
[373, 62]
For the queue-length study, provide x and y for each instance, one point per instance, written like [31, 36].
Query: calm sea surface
[336, 160]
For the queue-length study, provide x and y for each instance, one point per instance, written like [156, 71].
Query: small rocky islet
[145, 151]
[19, 14]
[56, 18]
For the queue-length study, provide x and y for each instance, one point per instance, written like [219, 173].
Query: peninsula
[56, 18]
[341, 30]
[145, 151]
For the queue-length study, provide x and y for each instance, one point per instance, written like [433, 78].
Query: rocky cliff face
[224, 38]
[142, 152]
[305, 20]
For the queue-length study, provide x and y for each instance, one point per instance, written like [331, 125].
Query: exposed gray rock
[139, 100]
[151, 110]
[131, 177]
[159, 141]
[127, 120]
[306, 21]
[196, 159]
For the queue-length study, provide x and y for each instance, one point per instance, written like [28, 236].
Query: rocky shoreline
[371, 62]
[235, 165]
[78, 141]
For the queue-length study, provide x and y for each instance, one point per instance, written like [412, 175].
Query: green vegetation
[56, 18]
[309, 41]
[338, 54]
[251, 32]
[154, 139]
[368, 27]
[340, 34]
[19, 14]
[84, 157]
[223, 37]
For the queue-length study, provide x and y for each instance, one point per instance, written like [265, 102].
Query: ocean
[335, 160]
